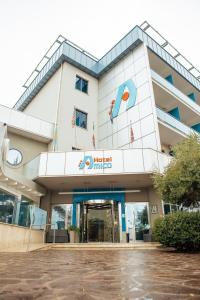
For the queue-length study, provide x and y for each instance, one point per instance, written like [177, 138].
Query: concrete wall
[142, 117]
[44, 104]
[56, 102]
[29, 149]
[15, 237]
[71, 98]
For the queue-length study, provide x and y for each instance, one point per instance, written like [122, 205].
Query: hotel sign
[90, 162]
[126, 92]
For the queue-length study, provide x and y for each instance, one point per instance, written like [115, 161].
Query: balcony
[175, 93]
[171, 130]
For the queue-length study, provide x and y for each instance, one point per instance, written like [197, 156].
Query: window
[24, 212]
[170, 208]
[75, 149]
[61, 216]
[8, 204]
[81, 84]
[14, 157]
[81, 119]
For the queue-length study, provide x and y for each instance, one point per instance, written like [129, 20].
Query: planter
[76, 237]
[72, 236]
[147, 237]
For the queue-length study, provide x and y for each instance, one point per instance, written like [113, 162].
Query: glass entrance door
[137, 220]
[99, 221]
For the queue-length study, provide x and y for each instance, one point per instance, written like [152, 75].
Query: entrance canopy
[70, 183]
[129, 168]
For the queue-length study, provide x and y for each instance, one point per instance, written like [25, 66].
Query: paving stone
[98, 275]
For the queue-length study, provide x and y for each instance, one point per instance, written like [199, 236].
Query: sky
[29, 27]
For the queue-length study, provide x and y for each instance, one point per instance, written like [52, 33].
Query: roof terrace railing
[167, 46]
[65, 50]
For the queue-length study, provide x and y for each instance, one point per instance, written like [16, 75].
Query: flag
[131, 134]
[73, 118]
[93, 137]
[93, 140]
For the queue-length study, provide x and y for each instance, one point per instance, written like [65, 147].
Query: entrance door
[137, 220]
[99, 221]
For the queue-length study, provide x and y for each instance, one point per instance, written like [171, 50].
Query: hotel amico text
[82, 142]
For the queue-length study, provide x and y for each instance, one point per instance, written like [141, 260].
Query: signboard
[96, 162]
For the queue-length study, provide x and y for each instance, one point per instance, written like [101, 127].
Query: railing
[173, 122]
[44, 234]
[175, 92]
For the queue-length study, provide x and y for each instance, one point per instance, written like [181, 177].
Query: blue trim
[132, 97]
[169, 78]
[119, 197]
[175, 113]
[192, 96]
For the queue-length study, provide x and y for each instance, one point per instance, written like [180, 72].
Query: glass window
[137, 218]
[7, 207]
[14, 157]
[170, 208]
[167, 209]
[24, 212]
[81, 84]
[75, 149]
[81, 119]
[61, 216]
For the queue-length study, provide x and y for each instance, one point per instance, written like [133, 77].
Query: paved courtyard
[99, 274]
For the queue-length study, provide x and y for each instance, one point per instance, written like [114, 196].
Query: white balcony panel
[133, 160]
[72, 163]
[173, 122]
[96, 157]
[117, 161]
[164, 161]
[55, 164]
[150, 160]
[43, 164]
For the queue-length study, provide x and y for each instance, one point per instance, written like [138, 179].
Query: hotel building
[81, 144]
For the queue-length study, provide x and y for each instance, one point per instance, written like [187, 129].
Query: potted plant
[73, 234]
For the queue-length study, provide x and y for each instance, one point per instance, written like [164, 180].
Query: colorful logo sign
[90, 162]
[126, 92]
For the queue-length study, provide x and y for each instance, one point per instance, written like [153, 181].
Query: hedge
[180, 230]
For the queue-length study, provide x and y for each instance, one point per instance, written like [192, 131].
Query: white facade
[112, 154]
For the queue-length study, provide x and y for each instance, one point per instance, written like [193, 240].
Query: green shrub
[180, 230]
[73, 228]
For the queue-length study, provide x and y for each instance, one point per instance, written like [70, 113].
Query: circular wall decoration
[14, 157]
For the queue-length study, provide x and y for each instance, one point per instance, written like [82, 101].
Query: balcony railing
[175, 92]
[173, 122]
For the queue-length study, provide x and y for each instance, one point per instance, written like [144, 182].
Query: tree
[180, 182]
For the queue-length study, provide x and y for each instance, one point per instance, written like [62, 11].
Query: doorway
[99, 221]
[137, 220]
